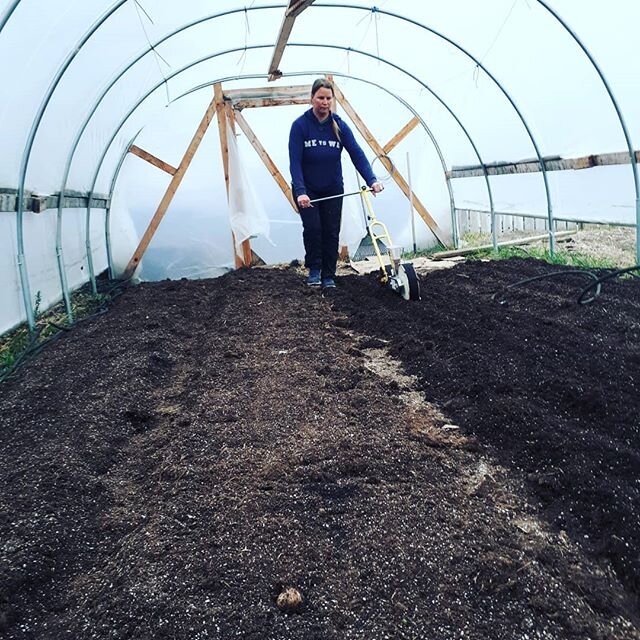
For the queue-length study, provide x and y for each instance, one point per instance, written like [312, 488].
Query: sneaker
[313, 279]
[328, 283]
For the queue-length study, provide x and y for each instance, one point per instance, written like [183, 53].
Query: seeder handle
[342, 195]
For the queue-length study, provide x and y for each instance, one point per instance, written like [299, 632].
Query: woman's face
[321, 102]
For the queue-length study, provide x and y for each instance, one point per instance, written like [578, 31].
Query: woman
[315, 144]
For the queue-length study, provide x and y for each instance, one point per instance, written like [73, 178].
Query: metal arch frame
[7, 14]
[616, 106]
[24, 163]
[502, 89]
[80, 133]
[82, 129]
[253, 47]
[117, 5]
[265, 76]
[38, 119]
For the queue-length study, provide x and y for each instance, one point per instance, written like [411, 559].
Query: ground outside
[248, 457]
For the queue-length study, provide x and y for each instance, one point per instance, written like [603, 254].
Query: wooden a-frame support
[215, 106]
[228, 107]
[171, 190]
[239, 99]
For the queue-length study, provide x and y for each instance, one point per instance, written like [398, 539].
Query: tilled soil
[455, 467]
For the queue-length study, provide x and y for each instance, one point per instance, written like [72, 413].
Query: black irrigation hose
[583, 300]
[594, 286]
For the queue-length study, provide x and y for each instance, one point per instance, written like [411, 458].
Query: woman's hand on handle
[304, 201]
[377, 187]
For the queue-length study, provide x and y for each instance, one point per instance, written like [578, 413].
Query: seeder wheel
[409, 283]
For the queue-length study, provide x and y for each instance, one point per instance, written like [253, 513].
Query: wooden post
[171, 190]
[395, 174]
[221, 113]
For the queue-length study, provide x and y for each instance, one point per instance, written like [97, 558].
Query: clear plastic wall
[490, 82]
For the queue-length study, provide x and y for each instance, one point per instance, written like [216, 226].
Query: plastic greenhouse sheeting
[497, 81]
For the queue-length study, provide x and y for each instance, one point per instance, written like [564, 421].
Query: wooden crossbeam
[266, 158]
[553, 163]
[401, 135]
[171, 190]
[292, 91]
[393, 172]
[151, 159]
[295, 8]
[269, 102]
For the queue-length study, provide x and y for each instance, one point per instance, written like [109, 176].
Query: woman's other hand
[303, 201]
[377, 187]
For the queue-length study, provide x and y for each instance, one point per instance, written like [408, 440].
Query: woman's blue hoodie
[314, 155]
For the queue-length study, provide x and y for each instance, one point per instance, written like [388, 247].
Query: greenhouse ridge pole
[616, 106]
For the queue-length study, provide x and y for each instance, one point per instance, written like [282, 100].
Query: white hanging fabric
[247, 216]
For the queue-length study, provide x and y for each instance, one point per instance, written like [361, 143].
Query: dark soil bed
[170, 467]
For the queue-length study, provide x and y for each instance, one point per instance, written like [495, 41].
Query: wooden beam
[269, 102]
[226, 114]
[266, 158]
[171, 190]
[401, 135]
[38, 203]
[393, 172]
[552, 163]
[295, 8]
[222, 130]
[151, 159]
[291, 91]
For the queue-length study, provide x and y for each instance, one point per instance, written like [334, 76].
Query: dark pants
[320, 233]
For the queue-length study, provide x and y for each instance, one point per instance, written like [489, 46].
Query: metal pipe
[24, 163]
[490, 75]
[616, 106]
[107, 218]
[340, 195]
[7, 14]
[61, 270]
[412, 217]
